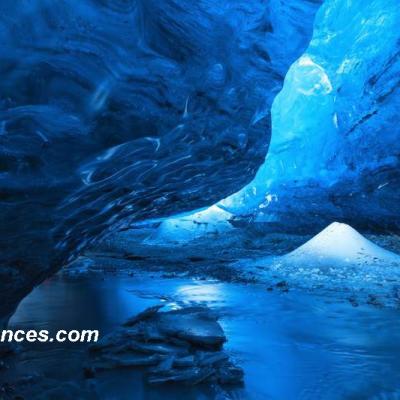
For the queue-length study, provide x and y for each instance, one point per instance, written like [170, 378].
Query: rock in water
[196, 325]
[149, 312]
[184, 346]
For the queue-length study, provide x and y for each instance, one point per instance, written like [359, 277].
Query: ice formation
[340, 244]
[114, 111]
[334, 152]
[181, 229]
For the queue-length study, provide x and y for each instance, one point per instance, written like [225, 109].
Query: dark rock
[149, 312]
[88, 373]
[197, 259]
[134, 257]
[191, 376]
[183, 362]
[283, 286]
[126, 361]
[118, 338]
[158, 348]
[177, 341]
[196, 325]
[373, 301]
[230, 375]
[151, 333]
[211, 358]
[353, 301]
[173, 344]
[165, 365]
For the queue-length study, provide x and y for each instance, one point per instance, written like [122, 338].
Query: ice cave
[213, 186]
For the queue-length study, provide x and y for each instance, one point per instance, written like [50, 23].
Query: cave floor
[291, 343]
[240, 256]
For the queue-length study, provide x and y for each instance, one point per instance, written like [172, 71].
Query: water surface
[291, 345]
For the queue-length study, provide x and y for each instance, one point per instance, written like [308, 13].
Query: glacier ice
[334, 152]
[212, 221]
[117, 111]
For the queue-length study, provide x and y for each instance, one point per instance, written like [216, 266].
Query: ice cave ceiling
[334, 152]
[116, 111]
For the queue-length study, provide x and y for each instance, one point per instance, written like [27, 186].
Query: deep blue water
[291, 345]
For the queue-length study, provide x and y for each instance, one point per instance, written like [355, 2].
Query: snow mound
[210, 222]
[340, 243]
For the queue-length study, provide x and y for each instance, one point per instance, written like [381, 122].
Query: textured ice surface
[334, 152]
[113, 111]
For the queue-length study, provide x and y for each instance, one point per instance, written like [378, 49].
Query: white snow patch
[340, 244]
[181, 229]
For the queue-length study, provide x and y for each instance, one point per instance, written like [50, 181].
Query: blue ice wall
[114, 111]
[334, 151]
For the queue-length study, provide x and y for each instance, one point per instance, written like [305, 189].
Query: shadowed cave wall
[113, 111]
[116, 112]
[334, 152]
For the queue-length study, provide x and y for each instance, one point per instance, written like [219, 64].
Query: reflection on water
[291, 345]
